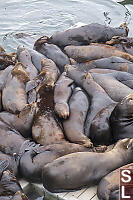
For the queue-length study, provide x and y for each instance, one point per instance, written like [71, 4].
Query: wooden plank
[76, 193]
[88, 194]
[95, 198]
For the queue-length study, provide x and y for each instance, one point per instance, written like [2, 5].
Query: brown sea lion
[14, 97]
[2, 50]
[52, 52]
[113, 63]
[25, 58]
[124, 44]
[19, 196]
[97, 95]
[21, 122]
[100, 131]
[121, 119]
[108, 188]
[64, 173]
[114, 88]
[85, 34]
[31, 162]
[62, 93]
[74, 125]
[46, 129]
[94, 51]
[7, 59]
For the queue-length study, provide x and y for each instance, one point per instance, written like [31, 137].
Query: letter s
[128, 177]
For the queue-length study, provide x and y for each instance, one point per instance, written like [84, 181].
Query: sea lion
[32, 162]
[25, 58]
[74, 125]
[62, 92]
[21, 122]
[97, 95]
[2, 50]
[114, 88]
[124, 44]
[12, 165]
[14, 97]
[10, 139]
[7, 59]
[94, 51]
[52, 52]
[19, 196]
[100, 131]
[36, 57]
[64, 173]
[108, 188]
[113, 63]
[121, 119]
[9, 184]
[3, 75]
[46, 129]
[85, 34]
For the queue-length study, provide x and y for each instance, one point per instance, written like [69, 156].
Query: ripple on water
[46, 17]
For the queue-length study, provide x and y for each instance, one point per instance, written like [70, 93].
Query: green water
[44, 17]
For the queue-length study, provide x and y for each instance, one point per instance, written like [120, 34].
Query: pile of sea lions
[61, 104]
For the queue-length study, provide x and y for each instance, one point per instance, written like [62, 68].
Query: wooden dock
[39, 190]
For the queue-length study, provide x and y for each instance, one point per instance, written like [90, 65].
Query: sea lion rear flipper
[3, 166]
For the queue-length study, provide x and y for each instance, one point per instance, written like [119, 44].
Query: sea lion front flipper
[3, 166]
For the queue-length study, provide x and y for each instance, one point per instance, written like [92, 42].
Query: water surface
[44, 17]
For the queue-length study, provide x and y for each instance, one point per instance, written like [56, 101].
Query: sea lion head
[40, 41]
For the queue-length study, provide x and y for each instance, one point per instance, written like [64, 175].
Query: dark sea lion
[14, 97]
[6, 60]
[121, 119]
[25, 58]
[32, 162]
[84, 169]
[62, 93]
[74, 125]
[10, 139]
[108, 188]
[124, 44]
[100, 131]
[21, 122]
[9, 184]
[52, 52]
[114, 88]
[12, 167]
[124, 77]
[97, 95]
[85, 34]
[113, 62]
[95, 51]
